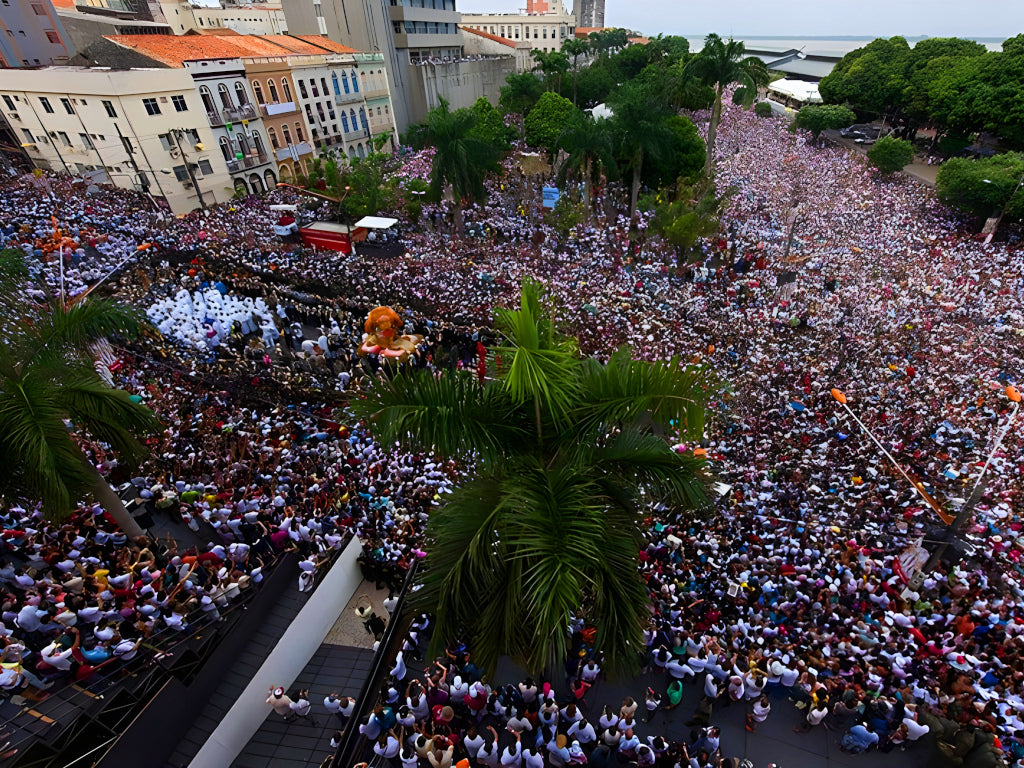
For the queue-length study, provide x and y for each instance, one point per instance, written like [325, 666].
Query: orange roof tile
[70, 4]
[489, 36]
[174, 51]
[585, 31]
[217, 32]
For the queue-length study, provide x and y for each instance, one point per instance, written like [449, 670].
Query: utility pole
[188, 167]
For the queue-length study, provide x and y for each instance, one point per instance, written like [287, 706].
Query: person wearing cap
[280, 702]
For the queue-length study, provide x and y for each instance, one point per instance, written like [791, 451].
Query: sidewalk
[921, 171]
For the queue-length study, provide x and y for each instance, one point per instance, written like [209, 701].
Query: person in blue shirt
[858, 739]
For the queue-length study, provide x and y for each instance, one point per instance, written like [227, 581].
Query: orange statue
[382, 325]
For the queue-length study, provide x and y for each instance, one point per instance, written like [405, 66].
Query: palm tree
[640, 117]
[719, 64]
[588, 147]
[575, 47]
[461, 160]
[49, 391]
[551, 63]
[567, 455]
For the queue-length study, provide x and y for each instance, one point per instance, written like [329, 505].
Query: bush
[890, 154]
[763, 109]
[551, 116]
[823, 117]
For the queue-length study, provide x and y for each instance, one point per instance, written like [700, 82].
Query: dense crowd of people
[825, 275]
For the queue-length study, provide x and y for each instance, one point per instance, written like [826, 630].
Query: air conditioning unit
[174, 152]
[187, 184]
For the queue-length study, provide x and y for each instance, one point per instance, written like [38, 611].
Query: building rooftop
[489, 36]
[585, 31]
[174, 51]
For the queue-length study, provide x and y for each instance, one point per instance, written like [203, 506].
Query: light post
[176, 132]
[955, 524]
[143, 183]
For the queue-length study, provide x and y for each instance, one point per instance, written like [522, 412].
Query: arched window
[225, 148]
[362, 80]
[225, 96]
[344, 81]
[207, 98]
[362, 118]
[286, 89]
[258, 90]
[361, 150]
[273, 90]
[287, 134]
[352, 117]
[257, 142]
[344, 121]
[273, 138]
[240, 95]
[335, 84]
[355, 82]
[298, 131]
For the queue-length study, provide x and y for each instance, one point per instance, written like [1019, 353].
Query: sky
[795, 18]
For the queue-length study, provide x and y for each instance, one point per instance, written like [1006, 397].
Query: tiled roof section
[325, 42]
[173, 51]
[639, 40]
[489, 36]
[69, 4]
[218, 32]
[585, 31]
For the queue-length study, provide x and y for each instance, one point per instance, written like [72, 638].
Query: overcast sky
[750, 18]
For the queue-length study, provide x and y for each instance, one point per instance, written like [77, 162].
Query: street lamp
[954, 525]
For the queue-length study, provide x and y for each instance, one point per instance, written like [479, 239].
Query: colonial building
[544, 27]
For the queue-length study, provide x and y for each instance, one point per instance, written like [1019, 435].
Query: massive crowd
[790, 588]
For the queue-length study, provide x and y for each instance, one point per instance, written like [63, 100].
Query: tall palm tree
[575, 47]
[50, 392]
[567, 455]
[551, 63]
[719, 64]
[588, 148]
[641, 111]
[461, 160]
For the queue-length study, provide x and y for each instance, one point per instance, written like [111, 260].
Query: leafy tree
[763, 109]
[574, 47]
[589, 153]
[984, 187]
[871, 78]
[720, 64]
[546, 121]
[890, 154]
[461, 160]
[520, 93]
[595, 84]
[642, 130]
[822, 117]
[565, 450]
[553, 64]
[51, 396]
[684, 155]
[490, 125]
[693, 214]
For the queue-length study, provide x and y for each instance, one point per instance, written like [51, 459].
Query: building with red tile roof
[174, 51]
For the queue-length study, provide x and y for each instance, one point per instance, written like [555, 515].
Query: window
[344, 122]
[166, 141]
[180, 105]
[206, 167]
[257, 142]
[225, 149]
[45, 102]
[52, 36]
[152, 108]
[225, 96]
[181, 173]
[355, 83]
[207, 97]
[302, 89]
[362, 118]
[66, 103]
[109, 106]
[258, 90]
[29, 138]
[298, 132]
[273, 138]
[273, 90]
[334, 82]
[287, 134]
[86, 141]
[127, 144]
[344, 81]
[240, 95]
[8, 102]
[286, 89]
[323, 84]
[37, 9]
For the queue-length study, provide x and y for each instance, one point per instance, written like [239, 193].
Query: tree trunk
[574, 87]
[716, 117]
[111, 502]
[635, 192]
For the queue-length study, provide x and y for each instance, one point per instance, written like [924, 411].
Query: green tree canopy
[823, 117]
[552, 115]
[890, 154]
[568, 455]
[871, 78]
[520, 92]
[588, 145]
[643, 133]
[984, 187]
[490, 125]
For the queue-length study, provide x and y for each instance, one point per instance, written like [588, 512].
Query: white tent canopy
[376, 222]
[800, 90]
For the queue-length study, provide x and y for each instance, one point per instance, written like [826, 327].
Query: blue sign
[549, 196]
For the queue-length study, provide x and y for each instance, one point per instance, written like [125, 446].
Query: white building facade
[143, 129]
[543, 31]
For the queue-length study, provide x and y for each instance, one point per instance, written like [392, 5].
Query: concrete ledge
[284, 664]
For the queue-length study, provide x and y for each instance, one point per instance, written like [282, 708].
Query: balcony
[238, 114]
[376, 93]
[250, 161]
[279, 108]
[293, 151]
[214, 119]
[350, 136]
[345, 98]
